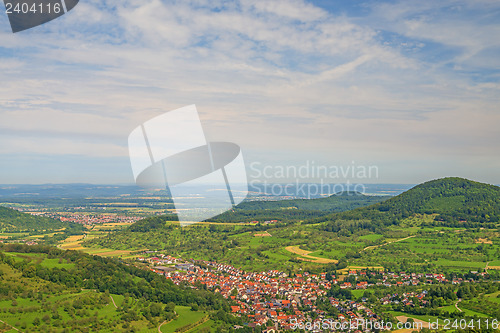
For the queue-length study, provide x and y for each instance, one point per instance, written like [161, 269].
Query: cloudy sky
[412, 87]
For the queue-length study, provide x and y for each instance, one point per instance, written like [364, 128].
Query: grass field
[306, 257]
[7, 235]
[446, 250]
[41, 259]
[423, 318]
[75, 242]
[371, 237]
[186, 317]
[450, 308]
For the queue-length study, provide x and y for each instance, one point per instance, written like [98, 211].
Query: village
[88, 219]
[274, 299]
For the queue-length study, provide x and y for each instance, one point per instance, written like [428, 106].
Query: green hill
[282, 210]
[336, 202]
[409, 231]
[44, 289]
[16, 226]
[297, 209]
[12, 221]
[452, 201]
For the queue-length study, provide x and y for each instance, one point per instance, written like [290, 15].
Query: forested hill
[282, 210]
[45, 289]
[455, 201]
[297, 209]
[336, 202]
[13, 221]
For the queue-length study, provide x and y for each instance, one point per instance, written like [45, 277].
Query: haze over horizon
[412, 88]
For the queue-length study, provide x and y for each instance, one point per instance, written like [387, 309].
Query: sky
[411, 88]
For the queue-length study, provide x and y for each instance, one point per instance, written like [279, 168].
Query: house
[185, 267]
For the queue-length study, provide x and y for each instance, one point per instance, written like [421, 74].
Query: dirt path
[394, 241]
[307, 257]
[264, 234]
[112, 299]
[159, 326]
[1, 321]
[456, 305]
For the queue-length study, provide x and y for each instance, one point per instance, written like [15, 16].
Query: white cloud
[281, 76]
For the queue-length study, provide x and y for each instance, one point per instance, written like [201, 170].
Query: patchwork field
[306, 257]
[75, 242]
[185, 317]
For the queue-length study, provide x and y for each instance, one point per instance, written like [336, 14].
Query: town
[274, 299]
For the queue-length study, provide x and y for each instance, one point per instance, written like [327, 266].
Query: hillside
[451, 201]
[440, 225]
[44, 289]
[297, 209]
[336, 202]
[282, 210]
[12, 221]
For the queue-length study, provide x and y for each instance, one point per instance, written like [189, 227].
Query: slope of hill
[336, 202]
[422, 229]
[297, 209]
[44, 289]
[13, 221]
[452, 201]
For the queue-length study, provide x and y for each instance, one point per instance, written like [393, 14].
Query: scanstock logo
[27, 14]
[171, 152]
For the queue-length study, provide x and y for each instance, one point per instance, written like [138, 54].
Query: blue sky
[409, 86]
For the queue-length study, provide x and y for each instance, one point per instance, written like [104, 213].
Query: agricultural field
[92, 232]
[455, 250]
[305, 246]
[186, 317]
[41, 259]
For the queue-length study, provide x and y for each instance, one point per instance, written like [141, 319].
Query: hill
[44, 289]
[445, 224]
[336, 202]
[282, 210]
[451, 201]
[296, 209]
[13, 221]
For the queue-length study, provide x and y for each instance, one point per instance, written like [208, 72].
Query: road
[394, 241]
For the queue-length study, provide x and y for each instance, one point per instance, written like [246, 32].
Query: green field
[371, 237]
[185, 317]
[41, 259]
[424, 318]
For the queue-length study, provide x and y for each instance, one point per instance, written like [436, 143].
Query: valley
[350, 257]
